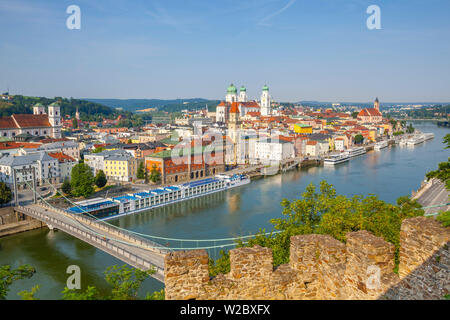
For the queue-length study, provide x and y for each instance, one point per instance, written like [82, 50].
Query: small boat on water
[357, 151]
[428, 136]
[380, 145]
[403, 142]
[334, 159]
[415, 140]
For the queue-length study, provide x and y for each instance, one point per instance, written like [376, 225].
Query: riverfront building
[45, 167]
[187, 163]
[371, 115]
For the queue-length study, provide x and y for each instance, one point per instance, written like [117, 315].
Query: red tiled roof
[369, 112]
[7, 123]
[251, 104]
[234, 107]
[311, 143]
[31, 120]
[16, 145]
[53, 140]
[61, 157]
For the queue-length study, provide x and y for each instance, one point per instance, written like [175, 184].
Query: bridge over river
[138, 252]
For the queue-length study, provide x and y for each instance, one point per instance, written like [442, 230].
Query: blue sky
[304, 50]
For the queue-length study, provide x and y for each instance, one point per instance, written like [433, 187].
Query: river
[389, 173]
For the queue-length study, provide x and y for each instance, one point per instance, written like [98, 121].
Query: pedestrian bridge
[138, 252]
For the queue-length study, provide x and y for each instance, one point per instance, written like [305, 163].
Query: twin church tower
[264, 104]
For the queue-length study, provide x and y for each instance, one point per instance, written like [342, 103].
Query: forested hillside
[175, 105]
[88, 110]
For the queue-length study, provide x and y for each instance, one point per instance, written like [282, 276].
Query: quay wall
[322, 267]
[12, 222]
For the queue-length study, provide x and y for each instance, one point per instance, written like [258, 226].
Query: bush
[66, 187]
[100, 179]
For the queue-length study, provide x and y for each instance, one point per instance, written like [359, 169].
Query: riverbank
[12, 222]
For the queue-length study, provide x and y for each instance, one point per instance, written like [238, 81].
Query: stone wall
[321, 267]
[12, 222]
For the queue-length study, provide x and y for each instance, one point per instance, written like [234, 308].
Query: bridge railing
[95, 240]
[148, 244]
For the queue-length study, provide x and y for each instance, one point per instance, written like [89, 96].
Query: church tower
[54, 117]
[77, 115]
[234, 122]
[231, 94]
[376, 104]
[243, 94]
[234, 125]
[38, 109]
[266, 109]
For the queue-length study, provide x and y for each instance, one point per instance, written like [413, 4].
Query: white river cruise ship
[111, 208]
[334, 159]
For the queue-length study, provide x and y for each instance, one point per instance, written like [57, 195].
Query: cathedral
[241, 104]
[39, 124]
[371, 115]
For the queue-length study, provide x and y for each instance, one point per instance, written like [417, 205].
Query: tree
[443, 171]
[155, 175]
[66, 187]
[100, 179]
[75, 123]
[8, 276]
[447, 141]
[98, 150]
[141, 171]
[29, 295]
[125, 283]
[5, 194]
[82, 180]
[359, 139]
[410, 128]
[91, 293]
[355, 114]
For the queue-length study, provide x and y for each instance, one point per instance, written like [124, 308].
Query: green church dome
[265, 88]
[243, 89]
[232, 89]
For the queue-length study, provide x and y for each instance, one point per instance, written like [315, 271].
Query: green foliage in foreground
[125, 283]
[8, 276]
[444, 218]
[324, 212]
[443, 171]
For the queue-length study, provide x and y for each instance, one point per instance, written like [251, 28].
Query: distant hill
[174, 105]
[88, 110]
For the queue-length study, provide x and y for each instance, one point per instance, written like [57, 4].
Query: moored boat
[334, 159]
[417, 139]
[110, 208]
[356, 151]
[380, 145]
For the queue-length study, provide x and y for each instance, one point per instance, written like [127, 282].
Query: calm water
[390, 173]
